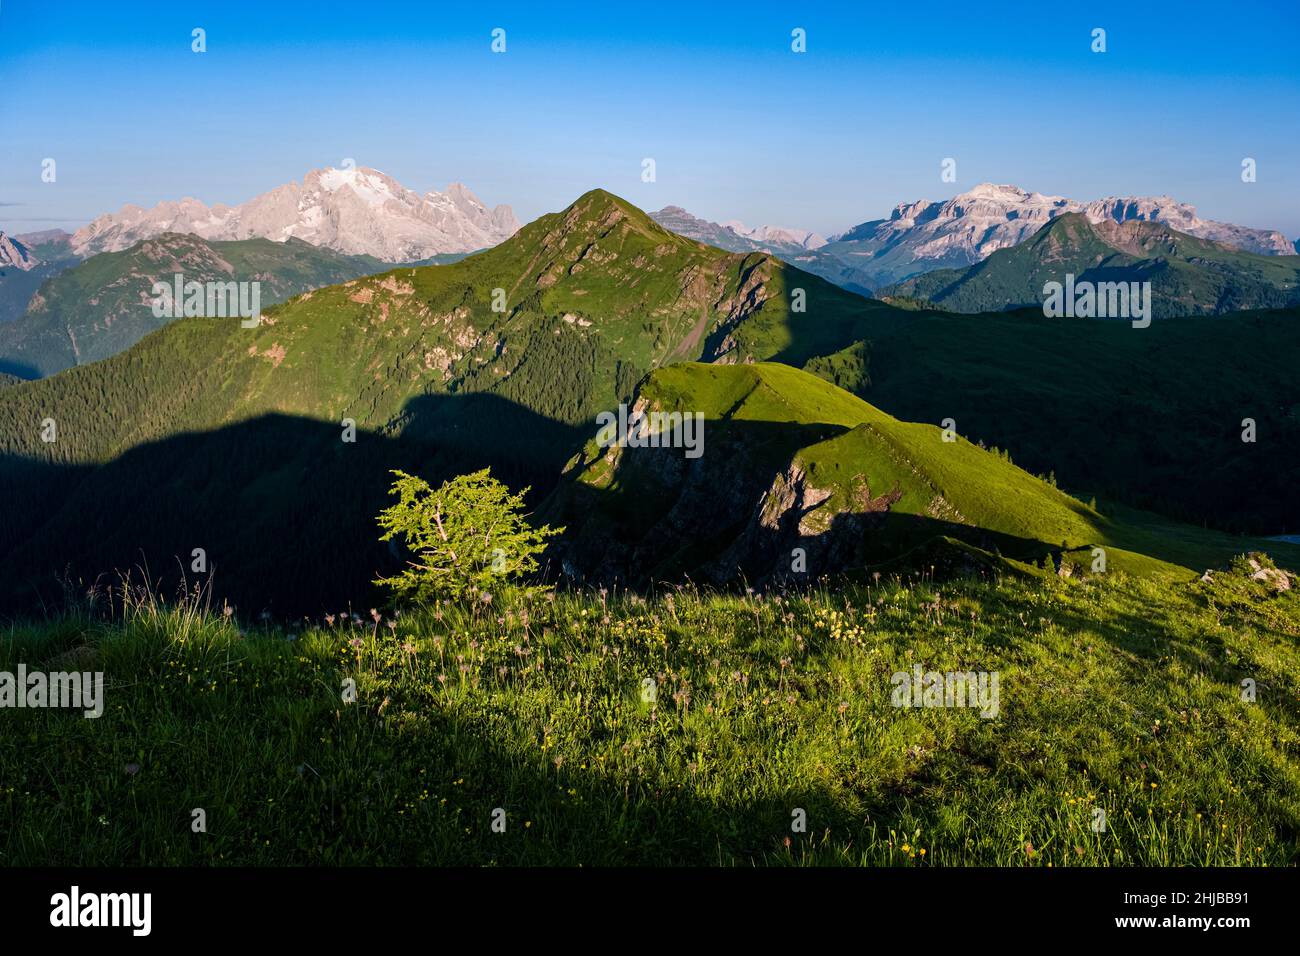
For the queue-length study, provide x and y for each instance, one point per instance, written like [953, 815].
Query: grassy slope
[1116, 693]
[956, 480]
[1189, 276]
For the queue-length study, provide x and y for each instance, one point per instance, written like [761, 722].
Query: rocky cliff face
[15, 255]
[354, 211]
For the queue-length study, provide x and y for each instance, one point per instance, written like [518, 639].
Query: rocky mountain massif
[352, 212]
[735, 236]
[15, 255]
[356, 211]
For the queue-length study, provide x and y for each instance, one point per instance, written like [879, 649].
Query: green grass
[1117, 692]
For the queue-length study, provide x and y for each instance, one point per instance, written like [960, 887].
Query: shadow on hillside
[586, 815]
[1150, 418]
[19, 369]
[594, 818]
[283, 508]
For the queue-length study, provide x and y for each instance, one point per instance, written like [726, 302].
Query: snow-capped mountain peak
[357, 210]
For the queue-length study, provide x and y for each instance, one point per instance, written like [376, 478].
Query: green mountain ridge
[1188, 275]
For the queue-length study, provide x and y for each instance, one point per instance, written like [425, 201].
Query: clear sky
[739, 126]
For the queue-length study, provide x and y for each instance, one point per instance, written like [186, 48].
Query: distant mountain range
[776, 235]
[357, 211]
[363, 212]
[735, 236]
[922, 236]
[1188, 275]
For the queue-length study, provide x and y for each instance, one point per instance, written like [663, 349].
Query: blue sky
[739, 126]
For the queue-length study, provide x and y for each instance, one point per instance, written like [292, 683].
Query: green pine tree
[466, 537]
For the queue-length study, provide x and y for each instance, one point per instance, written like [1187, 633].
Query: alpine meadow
[346, 521]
